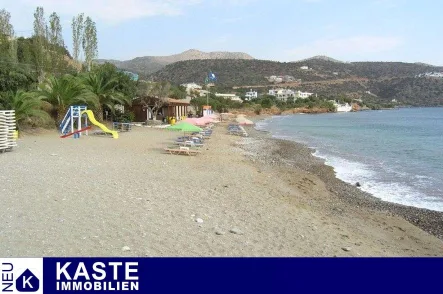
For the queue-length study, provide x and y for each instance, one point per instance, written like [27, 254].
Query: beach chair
[191, 144]
[238, 132]
[190, 138]
[182, 151]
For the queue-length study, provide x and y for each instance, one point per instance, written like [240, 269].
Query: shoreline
[97, 196]
[428, 220]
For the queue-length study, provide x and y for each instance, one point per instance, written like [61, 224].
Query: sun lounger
[238, 132]
[182, 151]
[190, 138]
[190, 144]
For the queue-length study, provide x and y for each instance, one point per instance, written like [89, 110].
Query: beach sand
[99, 196]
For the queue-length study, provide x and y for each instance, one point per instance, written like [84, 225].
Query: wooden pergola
[143, 108]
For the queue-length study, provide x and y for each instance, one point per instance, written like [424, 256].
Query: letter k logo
[27, 282]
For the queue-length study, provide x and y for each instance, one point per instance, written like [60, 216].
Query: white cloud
[342, 47]
[112, 11]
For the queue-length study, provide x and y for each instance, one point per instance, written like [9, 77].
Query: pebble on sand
[126, 248]
[236, 231]
[347, 249]
[199, 220]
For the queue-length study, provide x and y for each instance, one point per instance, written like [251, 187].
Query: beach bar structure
[144, 108]
[7, 130]
[207, 110]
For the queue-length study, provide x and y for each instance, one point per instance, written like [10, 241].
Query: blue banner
[221, 275]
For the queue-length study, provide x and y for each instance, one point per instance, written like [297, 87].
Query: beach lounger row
[237, 130]
[182, 150]
[190, 144]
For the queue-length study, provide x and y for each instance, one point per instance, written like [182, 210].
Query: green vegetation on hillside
[386, 80]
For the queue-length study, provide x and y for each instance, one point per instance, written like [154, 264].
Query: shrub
[257, 109]
[266, 103]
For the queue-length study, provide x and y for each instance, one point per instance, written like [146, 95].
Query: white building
[300, 94]
[304, 67]
[342, 107]
[251, 95]
[431, 75]
[284, 94]
[192, 87]
[203, 93]
[232, 97]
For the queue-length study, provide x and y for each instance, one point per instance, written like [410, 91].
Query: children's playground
[78, 121]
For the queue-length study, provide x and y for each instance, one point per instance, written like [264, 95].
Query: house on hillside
[232, 97]
[204, 93]
[192, 87]
[144, 108]
[251, 95]
[304, 67]
[300, 94]
[284, 94]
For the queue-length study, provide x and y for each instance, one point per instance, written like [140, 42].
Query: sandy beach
[255, 196]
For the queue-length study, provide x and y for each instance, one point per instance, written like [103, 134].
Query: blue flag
[212, 77]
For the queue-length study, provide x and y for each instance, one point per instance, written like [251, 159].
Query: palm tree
[63, 92]
[27, 107]
[103, 88]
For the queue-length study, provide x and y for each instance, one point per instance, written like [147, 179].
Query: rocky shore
[292, 155]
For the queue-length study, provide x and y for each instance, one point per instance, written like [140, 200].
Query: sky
[281, 30]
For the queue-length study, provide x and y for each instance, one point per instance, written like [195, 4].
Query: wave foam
[372, 182]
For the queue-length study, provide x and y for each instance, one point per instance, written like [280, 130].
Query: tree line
[40, 79]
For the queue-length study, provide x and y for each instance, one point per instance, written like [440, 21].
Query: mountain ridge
[150, 64]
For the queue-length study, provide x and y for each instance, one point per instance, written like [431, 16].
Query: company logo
[97, 276]
[21, 275]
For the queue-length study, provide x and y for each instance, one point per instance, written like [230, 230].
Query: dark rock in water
[357, 184]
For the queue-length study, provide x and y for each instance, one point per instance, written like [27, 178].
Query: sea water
[396, 155]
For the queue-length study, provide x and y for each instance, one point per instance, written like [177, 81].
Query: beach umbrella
[199, 122]
[207, 119]
[246, 122]
[185, 127]
[190, 120]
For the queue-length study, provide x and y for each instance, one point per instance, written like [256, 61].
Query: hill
[387, 80]
[320, 57]
[149, 64]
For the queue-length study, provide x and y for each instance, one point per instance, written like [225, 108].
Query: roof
[171, 101]
[225, 95]
[176, 101]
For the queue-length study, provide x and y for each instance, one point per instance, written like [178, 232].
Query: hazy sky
[283, 30]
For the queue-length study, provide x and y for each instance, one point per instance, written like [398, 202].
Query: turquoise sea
[396, 155]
